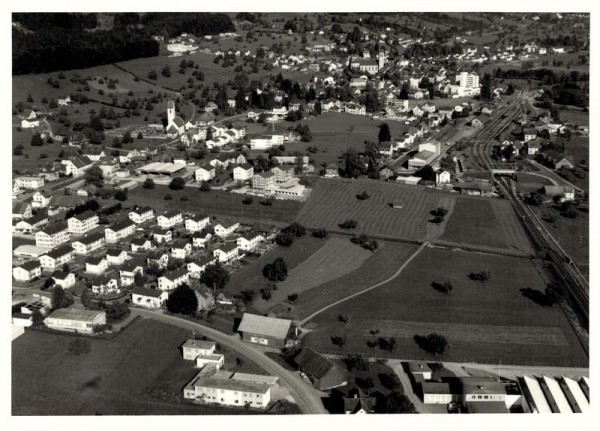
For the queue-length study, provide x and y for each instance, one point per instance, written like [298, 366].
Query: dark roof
[227, 247]
[85, 215]
[60, 275]
[313, 363]
[19, 207]
[60, 251]
[142, 210]
[91, 238]
[114, 252]
[139, 241]
[104, 279]
[28, 266]
[358, 402]
[145, 291]
[122, 224]
[55, 228]
[178, 273]
[171, 213]
[132, 264]
[180, 243]
[199, 217]
[94, 260]
[36, 218]
[66, 201]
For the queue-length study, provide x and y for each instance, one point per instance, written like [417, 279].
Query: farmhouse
[169, 219]
[149, 298]
[141, 214]
[40, 200]
[564, 163]
[359, 403]
[119, 230]
[89, 243]
[27, 271]
[57, 257]
[476, 189]
[565, 193]
[81, 223]
[173, 279]
[323, 373]
[226, 228]
[197, 222]
[266, 331]
[52, 236]
[75, 320]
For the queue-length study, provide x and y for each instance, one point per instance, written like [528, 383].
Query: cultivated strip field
[489, 223]
[336, 258]
[491, 322]
[333, 201]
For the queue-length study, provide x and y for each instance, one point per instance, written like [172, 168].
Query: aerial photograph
[308, 213]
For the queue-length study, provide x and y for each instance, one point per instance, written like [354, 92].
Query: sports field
[333, 201]
[336, 258]
[488, 223]
[488, 323]
[49, 380]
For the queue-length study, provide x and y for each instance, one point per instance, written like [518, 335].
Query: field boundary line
[374, 286]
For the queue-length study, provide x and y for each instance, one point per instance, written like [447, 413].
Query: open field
[334, 133]
[333, 201]
[250, 276]
[526, 182]
[126, 368]
[578, 148]
[336, 258]
[486, 222]
[215, 203]
[579, 118]
[487, 323]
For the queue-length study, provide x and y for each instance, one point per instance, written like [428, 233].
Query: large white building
[75, 320]
[31, 183]
[119, 230]
[266, 142]
[52, 236]
[81, 223]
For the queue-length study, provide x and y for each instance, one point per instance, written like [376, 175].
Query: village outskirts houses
[82, 223]
[181, 248]
[173, 279]
[197, 267]
[52, 236]
[116, 257]
[141, 214]
[201, 239]
[149, 298]
[105, 285]
[226, 253]
[226, 228]
[119, 230]
[243, 172]
[205, 173]
[57, 257]
[140, 244]
[197, 222]
[64, 279]
[249, 241]
[27, 271]
[169, 219]
[129, 269]
[96, 265]
[86, 244]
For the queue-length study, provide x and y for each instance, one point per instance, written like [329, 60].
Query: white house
[181, 249]
[96, 265]
[205, 173]
[30, 183]
[140, 244]
[243, 172]
[197, 267]
[53, 235]
[149, 298]
[75, 320]
[89, 243]
[229, 392]
[105, 285]
[226, 252]
[162, 236]
[119, 230]
[201, 239]
[39, 200]
[116, 257]
[249, 241]
[266, 142]
[442, 176]
[194, 348]
[226, 228]
[77, 166]
[27, 271]
[158, 258]
[197, 222]
[169, 219]
[64, 279]
[57, 257]
[128, 271]
[173, 279]
[141, 214]
[79, 224]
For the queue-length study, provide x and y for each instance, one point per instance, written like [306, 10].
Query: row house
[197, 222]
[105, 284]
[86, 244]
[169, 219]
[27, 271]
[96, 265]
[52, 236]
[173, 279]
[201, 239]
[226, 228]
[197, 267]
[140, 244]
[128, 271]
[141, 214]
[30, 183]
[119, 230]
[116, 257]
[82, 223]
[64, 279]
[249, 241]
[226, 252]
[57, 257]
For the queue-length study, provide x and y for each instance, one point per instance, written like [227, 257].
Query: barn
[323, 373]
[266, 331]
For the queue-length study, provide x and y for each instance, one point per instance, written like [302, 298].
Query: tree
[276, 271]
[426, 173]
[535, 199]
[433, 343]
[247, 200]
[338, 341]
[247, 296]
[182, 300]
[139, 279]
[149, 183]
[37, 318]
[320, 233]
[510, 89]
[49, 283]
[364, 195]
[36, 140]
[486, 86]
[205, 187]
[60, 298]
[166, 72]
[482, 276]
[153, 75]
[555, 293]
[356, 362]
[399, 403]
[94, 176]
[293, 297]
[215, 276]
[86, 297]
[384, 133]
[121, 195]
[177, 183]
[127, 138]
[284, 239]
[295, 229]
[348, 224]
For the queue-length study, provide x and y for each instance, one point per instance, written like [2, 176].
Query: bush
[433, 343]
[177, 183]
[276, 271]
[149, 183]
[363, 196]
[349, 224]
[482, 276]
[295, 229]
[320, 233]
[168, 197]
[284, 239]
[248, 200]
[205, 187]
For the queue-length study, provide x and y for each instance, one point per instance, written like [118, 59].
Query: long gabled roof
[270, 326]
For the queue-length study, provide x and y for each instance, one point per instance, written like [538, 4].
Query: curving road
[306, 396]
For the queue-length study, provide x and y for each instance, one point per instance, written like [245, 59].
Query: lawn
[333, 201]
[487, 323]
[250, 277]
[336, 258]
[215, 203]
[577, 117]
[129, 368]
[486, 223]
[527, 182]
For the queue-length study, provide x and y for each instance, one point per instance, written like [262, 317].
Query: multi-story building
[243, 172]
[27, 271]
[249, 241]
[205, 173]
[87, 244]
[81, 223]
[53, 235]
[263, 181]
[283, 173]
[226, 252]
[141, 214]
[119, 230]
[226, 228]
[30, 183]
[197, 222]
[173, 279]
[57, 257]
[169, 219]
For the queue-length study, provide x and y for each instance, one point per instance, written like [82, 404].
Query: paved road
[306, 396]
[374, 286]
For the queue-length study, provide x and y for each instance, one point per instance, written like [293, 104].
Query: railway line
[546, 246]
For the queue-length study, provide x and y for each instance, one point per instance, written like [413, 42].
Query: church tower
[170, 111]
[381, 59]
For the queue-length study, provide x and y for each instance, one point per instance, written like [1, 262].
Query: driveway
[307, 398]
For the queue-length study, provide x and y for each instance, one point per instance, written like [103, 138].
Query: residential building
[86, 244]
[53, 235]
[227, 252]
[226, 228]
[331, 171]
[442, 176]
[205, 297]
[564, 163]
[249, 241]
[96, 265]
[173, 279]
[105, 285]
[266, 331]
[76, 166]
[27, 271]
[30, 183]
[193, 348]
[149, 298]
[229, 391]
[82, 223]
[119, 230]
[205, 173]
[283, 173]
[75, 320]
[197, 267]
[141, 214]
[32, 224]
[129, 269]
[163, 236]
[116, 257]
[266, 142]
[181, 249]
[565, 193]
[57, 257]
[40, 200]
[263, 181]
[169, 219]
[158, 258]
[197, 222]
[21, 210]
[140, 244]
[243, 172]
[64, 279]
[359, 403]
[201, 239]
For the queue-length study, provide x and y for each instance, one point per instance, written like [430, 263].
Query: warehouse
[266, 331]
[161, 169]
[75, 320]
